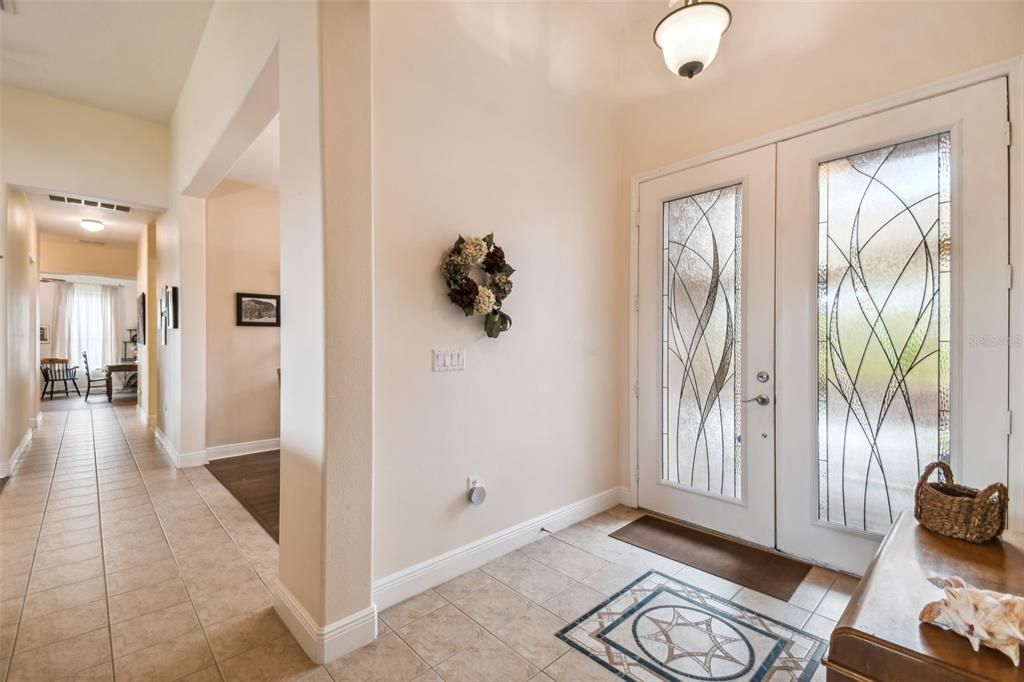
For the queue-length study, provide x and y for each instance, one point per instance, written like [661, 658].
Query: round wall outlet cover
[477, 495]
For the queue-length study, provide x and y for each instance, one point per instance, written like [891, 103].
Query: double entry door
[820, 318]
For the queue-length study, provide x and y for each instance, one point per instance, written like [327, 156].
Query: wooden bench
[879, 636]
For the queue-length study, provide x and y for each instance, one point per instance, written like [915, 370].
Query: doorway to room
[819, 318]
[93, 279]
[243, 329]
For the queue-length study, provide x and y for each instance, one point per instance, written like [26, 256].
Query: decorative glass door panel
[701, 312]
[883, 328]
[892, 259]
[705, 327]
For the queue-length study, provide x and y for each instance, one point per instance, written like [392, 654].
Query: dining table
[129, 367]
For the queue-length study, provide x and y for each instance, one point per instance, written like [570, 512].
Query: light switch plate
[449, 360]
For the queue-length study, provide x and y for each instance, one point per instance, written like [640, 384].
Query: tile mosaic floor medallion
[660, 628]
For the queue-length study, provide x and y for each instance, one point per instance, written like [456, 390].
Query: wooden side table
[879, 636]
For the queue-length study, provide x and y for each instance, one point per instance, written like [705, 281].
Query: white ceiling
[63, 221]
[260, 165]
[131, 57]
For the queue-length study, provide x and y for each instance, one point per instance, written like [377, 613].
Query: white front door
[892, 307]
[705, 331]
[812, 333]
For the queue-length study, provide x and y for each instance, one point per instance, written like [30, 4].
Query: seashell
[984, 617]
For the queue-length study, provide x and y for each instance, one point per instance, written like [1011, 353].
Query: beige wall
[485, 121]
[75, 258]
[242, 255]
[348, 295]
[256, 59]
[53, 144]
[783, 63]
[21, 254]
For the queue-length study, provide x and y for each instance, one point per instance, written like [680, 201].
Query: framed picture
[171, 307]
[257, 310]
[161, 319]
[141, 338]
[44, 333]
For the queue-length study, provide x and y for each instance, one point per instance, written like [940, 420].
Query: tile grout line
[198, 492]
[77, 582]
[103, 554]
[449, 602]
[35, 550]
[174, 558]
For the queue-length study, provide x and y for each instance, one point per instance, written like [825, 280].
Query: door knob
[759, 399]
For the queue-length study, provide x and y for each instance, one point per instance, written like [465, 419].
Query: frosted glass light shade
[92, 225]
[689, 36]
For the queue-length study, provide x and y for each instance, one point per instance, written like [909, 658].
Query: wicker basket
[958, 511]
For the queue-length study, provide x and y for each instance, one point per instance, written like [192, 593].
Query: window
[93, 324]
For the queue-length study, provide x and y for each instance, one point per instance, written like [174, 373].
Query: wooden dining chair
[90, 381]
[44, 369]
[56, 370]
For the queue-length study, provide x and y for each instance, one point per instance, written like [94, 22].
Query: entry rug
[662, 629]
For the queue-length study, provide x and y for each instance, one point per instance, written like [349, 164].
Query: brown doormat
[757, 569]
[255, 481]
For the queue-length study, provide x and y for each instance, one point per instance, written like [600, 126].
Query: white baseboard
[409, 582]
[190, 459]
[238, 449]
[324, 644]
[7, 468]
[201, 457]
[181, 461]
[141, 414]
[38, 421]
[626, 497]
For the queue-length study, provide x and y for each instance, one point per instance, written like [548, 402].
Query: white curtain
[61, 331]
[95, 323]
[111, 308]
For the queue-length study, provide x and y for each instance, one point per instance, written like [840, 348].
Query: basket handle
[946, 472]
[983, 498]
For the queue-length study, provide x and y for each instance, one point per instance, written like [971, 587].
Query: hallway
[116, 564]
[110, 554]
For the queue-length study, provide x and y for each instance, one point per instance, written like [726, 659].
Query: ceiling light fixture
[690, 33]
[90, 225]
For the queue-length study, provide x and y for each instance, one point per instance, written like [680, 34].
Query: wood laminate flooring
[255, 481]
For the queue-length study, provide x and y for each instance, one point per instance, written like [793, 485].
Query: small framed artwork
[142, 319]
[44, 333]
[171, 307]
[161, 319]
[257, 310]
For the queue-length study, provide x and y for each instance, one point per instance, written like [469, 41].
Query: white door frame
[1013, 70]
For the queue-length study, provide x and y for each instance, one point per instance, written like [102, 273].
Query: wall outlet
[449, 360]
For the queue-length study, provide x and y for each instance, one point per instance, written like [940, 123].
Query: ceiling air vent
[92, 203]
[92, 242]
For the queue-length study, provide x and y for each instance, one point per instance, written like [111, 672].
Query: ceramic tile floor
[114, 564]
